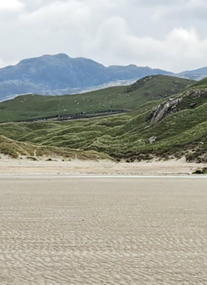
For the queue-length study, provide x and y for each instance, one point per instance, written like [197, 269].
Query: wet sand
[91, 231]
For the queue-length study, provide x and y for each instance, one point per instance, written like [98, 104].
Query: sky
[158, 33]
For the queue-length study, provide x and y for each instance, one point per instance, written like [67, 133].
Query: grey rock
[171, 105]
[192, 105]
[163, 109]
[151, 140]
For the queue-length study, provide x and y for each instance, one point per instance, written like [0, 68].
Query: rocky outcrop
[172, 105]
[195, 94]
[164, 109]
[151, 140]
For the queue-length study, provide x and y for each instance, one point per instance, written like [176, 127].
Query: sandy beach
[142, 231]
[104, 167]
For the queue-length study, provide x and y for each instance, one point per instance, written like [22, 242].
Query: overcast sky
[169, 34]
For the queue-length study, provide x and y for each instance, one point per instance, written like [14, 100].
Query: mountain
[60, 74]
[196, 74]
[113, 99]
[169, 127]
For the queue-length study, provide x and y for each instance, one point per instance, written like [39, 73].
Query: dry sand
[112, 231]
[59, 167]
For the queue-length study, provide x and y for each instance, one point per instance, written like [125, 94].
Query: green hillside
[170, 127]
[201, 84]
[122, 136]
[115, 98]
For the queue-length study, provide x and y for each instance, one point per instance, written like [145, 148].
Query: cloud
[1, 62]
[5, 63]
[10, 5]
[180, 49]
[158, 33]
[58, 14]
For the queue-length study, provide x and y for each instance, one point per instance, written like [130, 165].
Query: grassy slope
[121, 136]
[200, 84]
[34, 106]
[124, 136]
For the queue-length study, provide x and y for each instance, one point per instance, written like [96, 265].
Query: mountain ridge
[60, 74]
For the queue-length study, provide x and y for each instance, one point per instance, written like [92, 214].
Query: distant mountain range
[60, 74]
[196, 74]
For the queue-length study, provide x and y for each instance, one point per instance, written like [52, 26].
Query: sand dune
[103, 231]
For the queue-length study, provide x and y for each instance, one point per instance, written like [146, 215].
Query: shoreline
[34, 177]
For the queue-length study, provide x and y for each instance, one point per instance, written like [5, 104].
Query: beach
[101, 230]
[57, 166]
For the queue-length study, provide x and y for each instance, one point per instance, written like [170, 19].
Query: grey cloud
[165, 34]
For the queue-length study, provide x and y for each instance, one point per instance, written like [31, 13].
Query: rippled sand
[103, 231]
